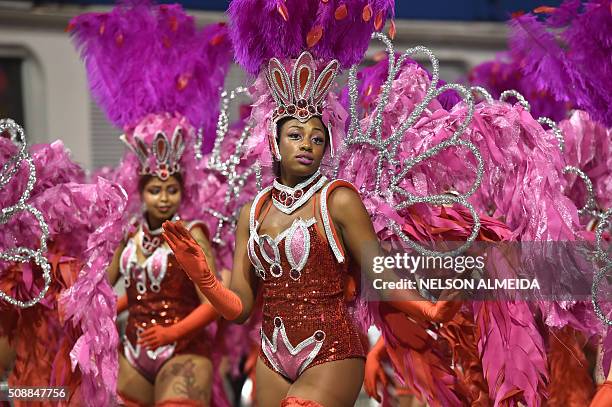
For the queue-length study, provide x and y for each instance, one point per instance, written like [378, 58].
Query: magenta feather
[370, 80]
[585, 144]
[572, 63]
[80, 217]
[90, 302]
[144, 59]
[542, 57]
[564, 13]
[503, 73]
[259, 31]
[512, 351]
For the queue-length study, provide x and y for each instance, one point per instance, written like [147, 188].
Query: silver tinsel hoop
[387, 149]
[23, 254]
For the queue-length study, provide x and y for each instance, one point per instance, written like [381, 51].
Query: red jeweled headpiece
[300, 96]
[159, 153]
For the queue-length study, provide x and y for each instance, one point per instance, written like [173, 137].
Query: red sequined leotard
[159, 292]
[305, 317]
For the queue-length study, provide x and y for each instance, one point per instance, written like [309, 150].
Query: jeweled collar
[288, 200]
[151, 239]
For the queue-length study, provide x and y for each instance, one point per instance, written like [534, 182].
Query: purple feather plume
[340, 29]
[542, 57]
[371, 78]
[573, 62]
[504, 73]
[144, 59]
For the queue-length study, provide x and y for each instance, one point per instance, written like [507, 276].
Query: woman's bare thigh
[185, 376]
[322, 383]
[271, 386]
[132, 384]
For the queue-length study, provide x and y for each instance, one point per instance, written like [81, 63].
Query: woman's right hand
[421, 309]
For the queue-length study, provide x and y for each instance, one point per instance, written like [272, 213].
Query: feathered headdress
[154, 75]
[297, 47]
[158, 78]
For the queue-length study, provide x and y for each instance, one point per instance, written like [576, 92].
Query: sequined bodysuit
[159, 292]
[305, 317]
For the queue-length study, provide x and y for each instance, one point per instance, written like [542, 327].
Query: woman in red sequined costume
[166, 350]
[294, 244]
[156, 75]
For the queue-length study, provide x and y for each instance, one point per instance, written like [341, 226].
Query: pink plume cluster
[81, 219]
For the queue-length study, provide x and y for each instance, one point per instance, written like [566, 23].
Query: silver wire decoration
[480, 91]
[521, 99]
[555, 129]
[387, 149]
[228, 168]
[590, 206]
[523, 102]
[601, 259]
[23, 254]
[198, 144]
[605, 264]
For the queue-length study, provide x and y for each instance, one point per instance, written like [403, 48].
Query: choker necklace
[151, 239]
[287, 199]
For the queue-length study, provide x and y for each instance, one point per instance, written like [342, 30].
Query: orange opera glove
[191, 257]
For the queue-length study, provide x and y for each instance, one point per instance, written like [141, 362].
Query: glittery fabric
[314, 302]
[176, 298]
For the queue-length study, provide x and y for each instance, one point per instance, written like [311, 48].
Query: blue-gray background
[473, 10]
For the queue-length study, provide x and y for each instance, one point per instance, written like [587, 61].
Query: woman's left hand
[157, 336]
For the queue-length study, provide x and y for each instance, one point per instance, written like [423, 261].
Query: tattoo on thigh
[184, 381]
